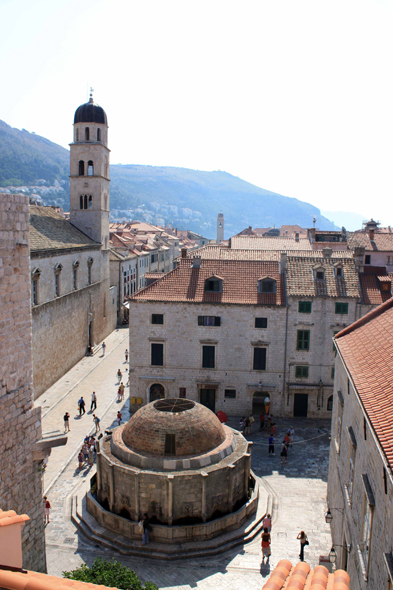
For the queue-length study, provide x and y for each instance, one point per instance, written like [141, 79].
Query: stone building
[360, 482]
[20, 421]
[210, 331]
[70, 276]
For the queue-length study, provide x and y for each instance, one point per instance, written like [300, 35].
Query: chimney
[327, 252]
[371, 234]
[184, 252]
[196, 262]
[283, 262]
[296, 236]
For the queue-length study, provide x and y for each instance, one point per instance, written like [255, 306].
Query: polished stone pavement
[298, 488]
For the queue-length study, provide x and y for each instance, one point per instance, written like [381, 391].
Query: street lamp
[333, 554]
[329, 515]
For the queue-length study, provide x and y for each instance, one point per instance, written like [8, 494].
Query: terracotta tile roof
[154, 275]
[49, 230]
[382, 242]
[261, 243]
[240, 283]
[372, 294]
[218, 253]
[301, 577]
[301, 281]
[36, 581]
[11, 517]
[366, 348]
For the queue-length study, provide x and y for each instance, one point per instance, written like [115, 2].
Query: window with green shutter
[301, 372]
[303, 340]
[341, 308]
[304, 306]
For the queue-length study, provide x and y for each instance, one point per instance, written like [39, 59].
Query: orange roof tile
[372, 294]
[240, 283]
[266, 243]
[366, 347]
[219, 253]
[382, 242]
[301, 577]
[35, 581]
[301, 277]
[8, 517]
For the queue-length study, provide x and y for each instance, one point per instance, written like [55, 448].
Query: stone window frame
[157, 316]
[305, 307]
[35, 276]
[351, 466]
[332, 373]
[230, 393]
[57, 271]
[267, 285]
[90, 262]
[329, 404]
[255, 360]
[154, 343]
[75, 266]
[261, 320]
[213, 285]
[340, 414]
[301, 371]
[367, 259]
[339, 271]
[210, 321]
[303, 344]
[364, 547]
[341, 308]
[318, 271]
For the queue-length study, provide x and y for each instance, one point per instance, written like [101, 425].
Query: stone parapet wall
[20, 422]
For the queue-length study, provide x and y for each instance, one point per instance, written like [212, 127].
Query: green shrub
[109, 573]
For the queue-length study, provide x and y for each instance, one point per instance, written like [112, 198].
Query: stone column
[170, 499]
[231, 486]
[204, 513]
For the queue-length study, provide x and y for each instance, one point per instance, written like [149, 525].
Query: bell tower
[89, 173]
[220, 228]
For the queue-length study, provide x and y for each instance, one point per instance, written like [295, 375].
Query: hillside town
[241, 389]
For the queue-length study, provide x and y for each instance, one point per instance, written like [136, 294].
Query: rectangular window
[208, 357]
[301, 372]
[89, 275]
[230, 393]
[259, 359]
[57, 285]
[34, 292]
[367, 259]
[303, 340]
[261, 322]
[75, 279]
[209, 320]
[157, 318]
[182, 392]
[341, 308]
[170, 442]
[332, 373]
[157, 354]
[340, 410]
[351, 471]
[366, 532]
[305, 306]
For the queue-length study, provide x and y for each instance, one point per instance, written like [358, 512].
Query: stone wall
[20, 422]
[355, 440]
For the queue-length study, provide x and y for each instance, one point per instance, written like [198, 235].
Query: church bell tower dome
[90, 113]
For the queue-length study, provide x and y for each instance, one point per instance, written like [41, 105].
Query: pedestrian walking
[122, 388]
[91, 456]
[81, 405]
[251, 420]
[128, 380]
[267, 404]
[284, 452]
[93, 405]
[103, 345]
[119, 376]
[291, 435]
[267, 522]
[265, 544]
[47, 508]
[126, 354]
[302, 537]
[66, 422]
[80, 458]
[146, 529]
[261, 421]
[287, 437]
[118, 417]
[96, 421]
[271, 445]
[85, 451]
[118, 395]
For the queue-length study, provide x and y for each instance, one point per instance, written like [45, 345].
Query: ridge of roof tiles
[301, 280]
[365, 347]
[240, 283]
[301, 577]
[382, 242]
[218, 253]
[49, 230]
[8, 517]
[35, 581]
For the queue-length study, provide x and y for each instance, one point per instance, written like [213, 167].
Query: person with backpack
[47, 508]
[265, 544]
[81, 405]
[96, 421]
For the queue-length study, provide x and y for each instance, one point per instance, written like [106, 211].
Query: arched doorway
[258, 402]
[156, 391]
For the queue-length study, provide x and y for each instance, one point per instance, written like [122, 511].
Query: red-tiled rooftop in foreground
[8, 517]
[301, 280]
[36, 581]
[366, 348]
[239, 283]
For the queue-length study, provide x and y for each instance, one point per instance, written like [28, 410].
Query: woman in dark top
[265, 543]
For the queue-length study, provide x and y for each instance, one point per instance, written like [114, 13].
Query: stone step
[125, 546]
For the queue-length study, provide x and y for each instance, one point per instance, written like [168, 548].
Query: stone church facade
[73, 303]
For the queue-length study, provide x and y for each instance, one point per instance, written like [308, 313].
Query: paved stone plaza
[298, 488]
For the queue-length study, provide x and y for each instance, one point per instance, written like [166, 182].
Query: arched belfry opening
[81, 168]
[98, 134]
[90, 168]
[87, 134]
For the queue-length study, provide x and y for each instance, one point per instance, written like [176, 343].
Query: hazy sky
[294, 96]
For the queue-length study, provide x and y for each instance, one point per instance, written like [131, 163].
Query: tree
[109, 573]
